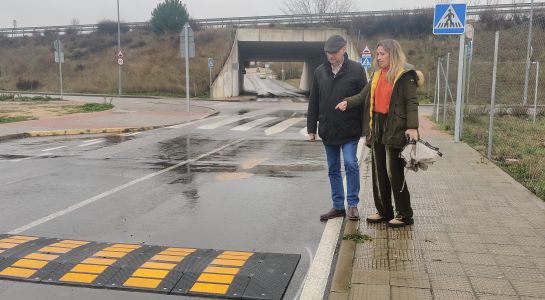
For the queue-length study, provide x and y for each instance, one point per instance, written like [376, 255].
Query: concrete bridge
[272, 44]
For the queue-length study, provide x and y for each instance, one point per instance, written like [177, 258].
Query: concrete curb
[114, 130]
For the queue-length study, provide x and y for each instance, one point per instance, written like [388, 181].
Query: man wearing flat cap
[337, 78]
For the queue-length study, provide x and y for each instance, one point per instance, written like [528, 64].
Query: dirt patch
[37, 110]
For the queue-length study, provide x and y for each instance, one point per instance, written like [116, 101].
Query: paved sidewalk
[478, 234]
[129, 114]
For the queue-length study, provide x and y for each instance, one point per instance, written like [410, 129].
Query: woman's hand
[412, 134]
[342, 106]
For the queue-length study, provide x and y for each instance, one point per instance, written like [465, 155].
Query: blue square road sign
[449, 18]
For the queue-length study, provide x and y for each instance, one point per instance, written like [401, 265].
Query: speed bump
[147, 268]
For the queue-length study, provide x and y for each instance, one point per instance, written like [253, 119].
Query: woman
[390, 118]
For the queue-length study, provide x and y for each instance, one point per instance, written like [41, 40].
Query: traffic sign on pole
[210, 63]
[120, 61]
[120, 54]
[449, 18]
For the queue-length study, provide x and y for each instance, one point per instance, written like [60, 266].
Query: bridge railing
[327, 18]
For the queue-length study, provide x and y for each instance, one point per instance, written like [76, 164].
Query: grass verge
[14, 119]
[518, 146]
[87, 108]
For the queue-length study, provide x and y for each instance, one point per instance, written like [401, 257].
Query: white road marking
[113, 191]
[280, 127]
[131, 133]
[222, 123]
[30, 157]
[55, 148]
[310, 256]
[194, 122]
[92, 143]
[252, 124]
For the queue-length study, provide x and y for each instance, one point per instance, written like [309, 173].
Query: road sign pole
[536, 88]
[446, 90]
[186, 33]
[120, 87]
[459, 89]
[493, 98]
[528, 54]
[438, 90]
[60, 76]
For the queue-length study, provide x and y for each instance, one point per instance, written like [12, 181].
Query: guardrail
[523, 8]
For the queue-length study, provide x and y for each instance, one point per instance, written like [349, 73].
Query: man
[338, 78]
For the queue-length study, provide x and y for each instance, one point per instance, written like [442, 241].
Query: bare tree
[316, 6]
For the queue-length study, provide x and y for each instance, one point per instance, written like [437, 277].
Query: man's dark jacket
[335, 127]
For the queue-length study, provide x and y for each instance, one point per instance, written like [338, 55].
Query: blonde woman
[390, 118]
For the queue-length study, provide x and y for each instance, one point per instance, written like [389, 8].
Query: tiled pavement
[477, 235]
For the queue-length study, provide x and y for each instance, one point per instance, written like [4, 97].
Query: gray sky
[61, 12]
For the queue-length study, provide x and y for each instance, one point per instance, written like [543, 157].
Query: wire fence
[502, 117]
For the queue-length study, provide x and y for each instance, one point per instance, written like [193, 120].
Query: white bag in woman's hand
[419, 155]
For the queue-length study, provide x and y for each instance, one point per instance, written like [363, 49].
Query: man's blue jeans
[351, 169]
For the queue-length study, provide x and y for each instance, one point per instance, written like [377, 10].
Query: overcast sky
[61, 12]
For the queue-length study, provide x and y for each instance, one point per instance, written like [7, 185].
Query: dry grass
[152, 62]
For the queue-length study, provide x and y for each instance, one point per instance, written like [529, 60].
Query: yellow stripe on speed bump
[18, 272]
[24, 238]
[90, 268]
[142, 282]
[48, 257]
[30, 263]
[79, 277]
[8, 245]
[222, 270]
[210, 288]
[99, 261]
[93, 269]
[216, 278]
[152, 272]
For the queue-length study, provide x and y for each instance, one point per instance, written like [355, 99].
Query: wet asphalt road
[246, 187]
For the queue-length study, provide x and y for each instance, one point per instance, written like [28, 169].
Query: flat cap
[334, 43]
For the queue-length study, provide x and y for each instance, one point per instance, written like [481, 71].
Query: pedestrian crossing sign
[449, 18]
[366, 61]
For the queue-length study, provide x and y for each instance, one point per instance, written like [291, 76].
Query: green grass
[518, 146]
[357, 237]
[14, 119]
[16, 98]
[87, 108]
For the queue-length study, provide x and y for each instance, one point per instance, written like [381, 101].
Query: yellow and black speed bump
[156, 269]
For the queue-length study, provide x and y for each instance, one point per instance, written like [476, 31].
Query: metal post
[446, 91]
[537, 85]
[186, 33]
[468, 85]
[528, 53]
[210, 82]
[60, 75]
[438, 89]
[120, 89]
[464, 83]
[493, 98]
[459, 89]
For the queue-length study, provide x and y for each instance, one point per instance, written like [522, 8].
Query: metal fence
[503, 116]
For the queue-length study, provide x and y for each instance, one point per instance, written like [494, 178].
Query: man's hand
[312, 136]
[412, 134]
[342, 106]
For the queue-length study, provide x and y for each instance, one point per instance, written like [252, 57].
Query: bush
[25, 85]
[110, 27]
[169, 16]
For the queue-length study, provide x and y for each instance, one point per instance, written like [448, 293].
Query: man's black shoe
[333, 213]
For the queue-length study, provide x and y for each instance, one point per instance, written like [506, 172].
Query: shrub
[25, 85]
[110, 27]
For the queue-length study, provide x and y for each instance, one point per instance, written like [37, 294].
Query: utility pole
[120, 90]
[528, 54]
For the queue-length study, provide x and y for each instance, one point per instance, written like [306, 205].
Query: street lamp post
[119, 46]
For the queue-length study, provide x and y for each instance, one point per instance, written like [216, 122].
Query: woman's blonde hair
[397, 58]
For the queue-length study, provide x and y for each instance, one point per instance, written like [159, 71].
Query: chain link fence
[506, 120]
